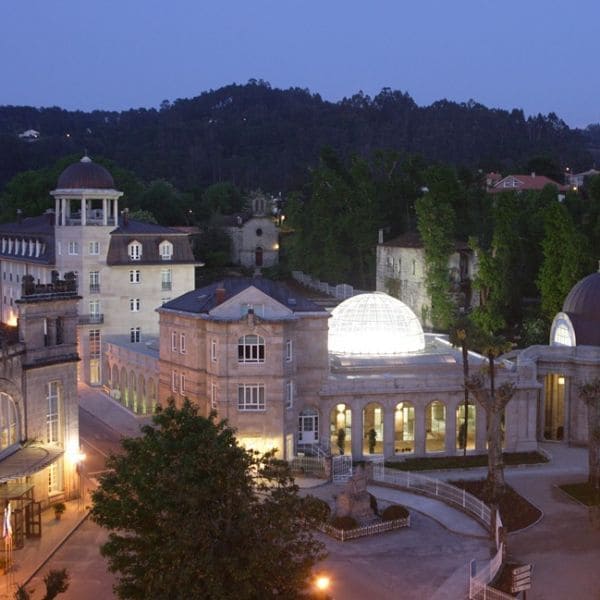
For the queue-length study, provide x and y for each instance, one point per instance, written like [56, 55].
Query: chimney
[380, 240]
[49, 216]
[19, 215]
[533, 173]
[220, 294]
[125, 217]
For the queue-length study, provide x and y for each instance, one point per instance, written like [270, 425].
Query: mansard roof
[35, 229]
[150, 236]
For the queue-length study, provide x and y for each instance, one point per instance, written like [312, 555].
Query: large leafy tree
[564, 259]
[435, 221]
[590, 394]
[192, 514]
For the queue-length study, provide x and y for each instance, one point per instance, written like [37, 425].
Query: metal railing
[434, 488]
[314, 465]
[91, 319]
[364, 530]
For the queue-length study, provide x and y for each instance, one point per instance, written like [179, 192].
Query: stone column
[357, 432]
[419, 430]
[104, 211]
[83, 211]
[451, 428]
[388, 430]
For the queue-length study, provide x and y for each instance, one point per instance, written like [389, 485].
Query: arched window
[8, 421]
[251, 349]
[134, 250]
[465, 429]
[562, 336]
[165, 249]
[373, 429]
[404, 428]
[435, 427]
[340, 426]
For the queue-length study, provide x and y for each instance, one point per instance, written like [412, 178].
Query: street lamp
[79, 459]
[322, 585]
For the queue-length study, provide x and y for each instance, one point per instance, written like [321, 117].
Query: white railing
[450, 494]
[350, 534]
[309, 464]
[340, 291]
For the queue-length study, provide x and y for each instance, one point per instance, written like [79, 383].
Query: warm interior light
[12, 320]
[561, 380]
[340, 408]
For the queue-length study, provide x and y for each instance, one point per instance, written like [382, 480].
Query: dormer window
[165, 250]
[134, 250]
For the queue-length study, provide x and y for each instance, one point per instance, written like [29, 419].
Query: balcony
[94, 288]
[91, 319]
[166, 285]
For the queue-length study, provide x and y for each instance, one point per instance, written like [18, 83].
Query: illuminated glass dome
[374, 324]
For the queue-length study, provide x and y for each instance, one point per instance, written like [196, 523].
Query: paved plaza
[426, 561]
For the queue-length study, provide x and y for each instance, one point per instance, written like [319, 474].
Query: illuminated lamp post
[322, 584]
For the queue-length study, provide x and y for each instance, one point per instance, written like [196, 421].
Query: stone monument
[355, 501]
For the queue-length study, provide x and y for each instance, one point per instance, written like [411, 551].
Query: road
[80, 555]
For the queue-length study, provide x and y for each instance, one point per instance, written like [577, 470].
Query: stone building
[124, 268]
[400, 272]
[39, 419]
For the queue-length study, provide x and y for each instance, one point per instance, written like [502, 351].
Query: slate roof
[150, 236]
[204, 299]
[39, 228]
[582, 304]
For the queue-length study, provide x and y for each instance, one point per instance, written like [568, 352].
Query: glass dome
[374, 324]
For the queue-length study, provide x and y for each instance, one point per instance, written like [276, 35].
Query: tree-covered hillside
[256, 136]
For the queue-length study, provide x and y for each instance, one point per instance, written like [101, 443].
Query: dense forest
[255, 136]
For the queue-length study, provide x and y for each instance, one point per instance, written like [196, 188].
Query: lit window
[562, 336]
[251, 349]
[94, 248]
[73, 248]
[289, 394]
[289, 351]
[174, 341]
[134, 335]
[95, 346]
[134, 304]
[54, 478]
[52, 416]
[251, 396]
[182, 343]
[135, 276]
[165, 250]
[213, 350]
[134, 250]
[8, 421]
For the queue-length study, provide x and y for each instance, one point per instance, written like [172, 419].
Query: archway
[554, 406]
[258, 256]
[404, 428]
[465, 435]
[151, 394]
[133, 399]
[373, 429]
[142, 400]
[124, 388]
[435, 427]
[340, 428]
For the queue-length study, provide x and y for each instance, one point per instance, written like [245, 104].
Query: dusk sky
[539, 55]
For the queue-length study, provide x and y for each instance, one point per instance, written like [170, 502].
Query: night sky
[539, 55]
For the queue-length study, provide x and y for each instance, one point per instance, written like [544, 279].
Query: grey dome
[85, 174]
[582, 305]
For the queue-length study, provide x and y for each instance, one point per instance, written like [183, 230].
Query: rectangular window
[135, 251]
[94, 248]
[73, 248]
[182, 384]
[134, 335]
[94, 338]
[94, 282]
[94, 311]
[213, 396]
[251, 349]
[134, 276]
[289, 351]
[213, 350]
[134, 304]
[174, 341]
[251, 396]
[55, 477]
[289, 394]
[52, 415]
[174, 380]
[182, 343]
[165, 279]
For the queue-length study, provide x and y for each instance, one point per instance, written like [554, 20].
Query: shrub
[373, 503]
[320, 508]
[395, 511]
[344, 523]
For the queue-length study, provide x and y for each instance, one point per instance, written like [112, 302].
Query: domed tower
[86, 212]
[578, 324]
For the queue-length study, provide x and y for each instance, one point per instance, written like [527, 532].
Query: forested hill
[256, 136]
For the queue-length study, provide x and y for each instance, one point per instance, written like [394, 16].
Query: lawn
[583, 492]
